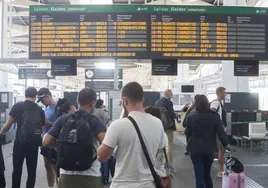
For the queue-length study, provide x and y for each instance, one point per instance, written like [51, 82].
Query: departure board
[148, 32]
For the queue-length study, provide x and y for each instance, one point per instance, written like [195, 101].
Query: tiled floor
[256, 168]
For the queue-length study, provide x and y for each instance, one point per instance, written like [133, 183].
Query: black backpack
[75, 147]
[31, 128]
[167, 122]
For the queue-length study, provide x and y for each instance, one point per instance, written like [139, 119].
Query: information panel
[148, 32]
[246, 68]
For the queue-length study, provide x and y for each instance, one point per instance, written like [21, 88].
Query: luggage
[167, 122]
[233, 176]
[233, 180]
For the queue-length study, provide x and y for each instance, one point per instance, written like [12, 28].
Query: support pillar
[3, 81]
[1, 28]
[229, 81]
[116, 74]
[183, 73]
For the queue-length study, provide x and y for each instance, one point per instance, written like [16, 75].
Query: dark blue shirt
[96, 124]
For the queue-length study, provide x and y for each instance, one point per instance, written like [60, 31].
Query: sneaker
[172, 169]
[219, 175]
[186, 153]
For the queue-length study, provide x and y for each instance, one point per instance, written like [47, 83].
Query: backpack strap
[220, 105]
[165, 153]
[157, 179]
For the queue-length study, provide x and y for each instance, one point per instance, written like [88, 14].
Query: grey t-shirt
[101, 114]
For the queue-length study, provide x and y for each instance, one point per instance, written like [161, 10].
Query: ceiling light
[104, 65]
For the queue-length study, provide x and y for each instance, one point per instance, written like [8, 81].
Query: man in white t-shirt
[132, 170]
[218, 107]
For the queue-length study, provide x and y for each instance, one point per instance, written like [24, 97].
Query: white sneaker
[220, 174]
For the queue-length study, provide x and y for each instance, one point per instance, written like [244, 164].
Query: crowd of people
[75, 143]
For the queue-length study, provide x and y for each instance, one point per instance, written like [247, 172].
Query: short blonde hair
[220, 90]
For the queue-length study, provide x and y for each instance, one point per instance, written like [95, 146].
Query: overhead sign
[161, 67]
[246, 68]
[35, 73]
[102, 85]
[148, 32]
[102, 74]
[64, 67]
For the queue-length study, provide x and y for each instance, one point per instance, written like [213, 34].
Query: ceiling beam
[22, 28]
[20, 47]
[20, 13]
[24, 3]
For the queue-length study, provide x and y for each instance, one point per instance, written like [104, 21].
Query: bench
[256, 132]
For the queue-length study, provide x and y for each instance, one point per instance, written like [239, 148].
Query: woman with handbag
[202, 126]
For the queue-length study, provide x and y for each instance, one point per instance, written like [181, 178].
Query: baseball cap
[42, 93]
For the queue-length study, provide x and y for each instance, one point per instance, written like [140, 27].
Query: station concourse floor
[256, 168]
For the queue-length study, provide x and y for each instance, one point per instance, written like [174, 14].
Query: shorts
[51, 154]
[78, 181]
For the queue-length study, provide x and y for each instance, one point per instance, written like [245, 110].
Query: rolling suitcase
[232, 179]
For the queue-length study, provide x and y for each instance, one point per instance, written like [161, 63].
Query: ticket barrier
[238, 122]
[6, 103]
[179, 120]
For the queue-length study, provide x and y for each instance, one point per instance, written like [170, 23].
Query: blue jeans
[202, 167]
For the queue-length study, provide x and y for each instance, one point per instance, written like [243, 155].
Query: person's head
[202, 104]
[86, 99]
[221, 92]
[195, 97]
[99, 103]
[154, 111]
[45, 97]
[30, 94]
[132, 97]
[168, 94]
[64, 107]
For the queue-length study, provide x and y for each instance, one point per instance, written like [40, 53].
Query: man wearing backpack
[168, 104]
[30, 118]
[77, 137]
[217, 106]
[132, 167]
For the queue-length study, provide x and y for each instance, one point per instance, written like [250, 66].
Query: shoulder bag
[157, 179]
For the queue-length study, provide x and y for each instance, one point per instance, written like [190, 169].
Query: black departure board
[148, 32]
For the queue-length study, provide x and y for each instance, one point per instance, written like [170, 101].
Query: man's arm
[7, 125]
[220, 132]
[49, 139]
[106, 149]
[15, 111]
[48, 123]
